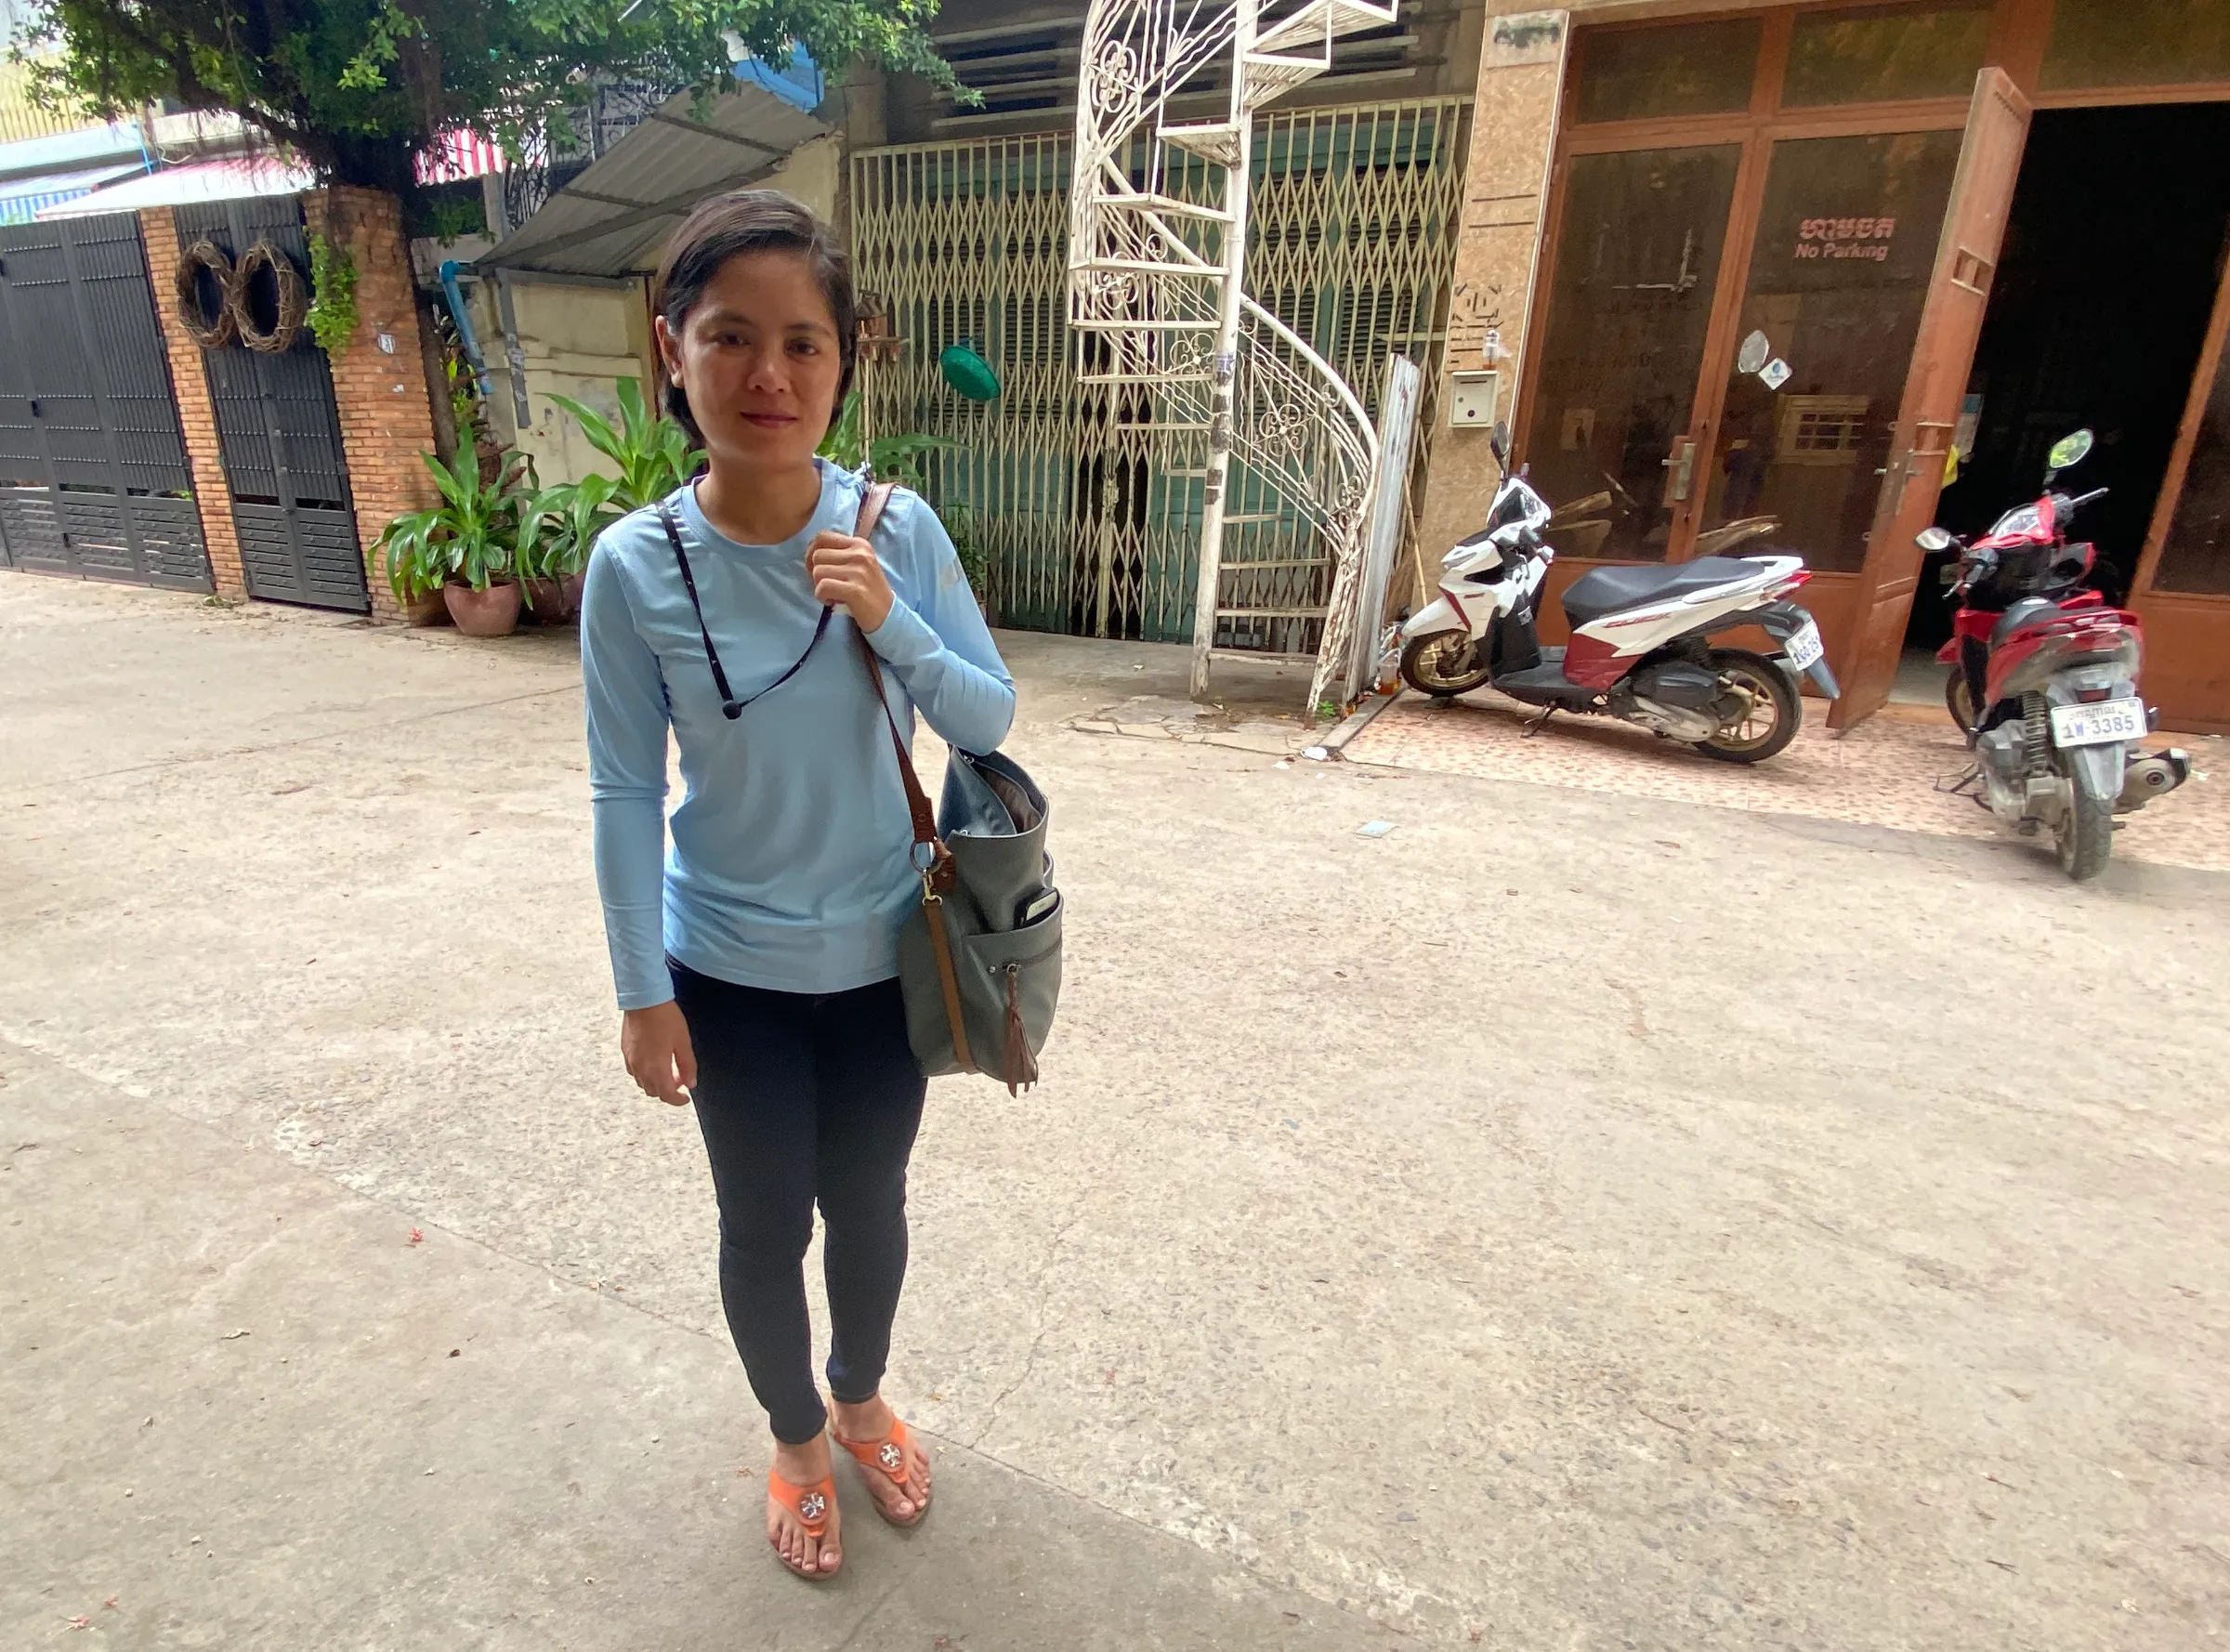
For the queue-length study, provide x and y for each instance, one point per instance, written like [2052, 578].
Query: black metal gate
[93, 473]
[279, 432]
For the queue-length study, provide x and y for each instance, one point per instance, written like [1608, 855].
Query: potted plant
[653, 455]
[557, 532]
[468, 547]
[414, 568]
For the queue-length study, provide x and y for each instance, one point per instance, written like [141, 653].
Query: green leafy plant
[888, 458]
[482, 533]
[569, 516]
[974, 561]
[458, 382]
[653, 455]
[464, 399]
[331, 313]
[449, 211]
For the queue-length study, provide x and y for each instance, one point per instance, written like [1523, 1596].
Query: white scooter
[1640, 635]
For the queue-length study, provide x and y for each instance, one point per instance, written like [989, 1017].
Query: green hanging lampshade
[969, 372]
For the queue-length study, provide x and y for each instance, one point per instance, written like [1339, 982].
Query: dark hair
[729, 226]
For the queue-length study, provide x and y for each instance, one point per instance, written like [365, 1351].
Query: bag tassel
[1021, 1066]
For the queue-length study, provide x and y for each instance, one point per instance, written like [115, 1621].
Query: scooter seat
[1605, 590]
[2025, 613]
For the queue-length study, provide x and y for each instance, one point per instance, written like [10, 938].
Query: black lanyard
[730, 707]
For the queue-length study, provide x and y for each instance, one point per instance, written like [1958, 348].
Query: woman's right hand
[654, 1042]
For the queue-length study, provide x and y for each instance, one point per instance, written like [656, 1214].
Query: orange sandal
[811, 1505]
[887, 1457]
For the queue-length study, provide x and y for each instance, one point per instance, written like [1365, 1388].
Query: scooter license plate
[2097, 723]
[1804, 647]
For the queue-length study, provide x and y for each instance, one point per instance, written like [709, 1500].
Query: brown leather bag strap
[936, 869]
[917, 801]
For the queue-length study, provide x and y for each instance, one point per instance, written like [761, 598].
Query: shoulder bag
[979, 959]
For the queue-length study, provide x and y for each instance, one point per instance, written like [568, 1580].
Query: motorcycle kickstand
[1533, 724]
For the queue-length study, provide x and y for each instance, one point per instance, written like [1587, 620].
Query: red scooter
[2044, 679]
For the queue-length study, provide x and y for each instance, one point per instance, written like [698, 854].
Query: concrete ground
[1567, 1221]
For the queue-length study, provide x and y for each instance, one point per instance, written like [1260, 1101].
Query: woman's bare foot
[808, 1466]
[874, 1420]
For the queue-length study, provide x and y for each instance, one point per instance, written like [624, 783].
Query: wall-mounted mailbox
[1471, 398]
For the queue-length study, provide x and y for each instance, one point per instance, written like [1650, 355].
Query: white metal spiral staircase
[1156, 292]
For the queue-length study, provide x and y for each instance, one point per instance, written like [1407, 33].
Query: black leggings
[804, 1096]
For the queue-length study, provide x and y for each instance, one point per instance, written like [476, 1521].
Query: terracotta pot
[428, 607]
[551, 602]
[493, 612]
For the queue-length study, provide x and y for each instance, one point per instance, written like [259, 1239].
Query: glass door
[1839, 274]
[1636, 266]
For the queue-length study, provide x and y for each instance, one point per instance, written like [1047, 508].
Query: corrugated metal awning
[613, 218]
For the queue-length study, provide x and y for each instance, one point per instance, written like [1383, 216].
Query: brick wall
[197, 416]
[386, 419]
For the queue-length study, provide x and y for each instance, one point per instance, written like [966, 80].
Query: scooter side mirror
[1498, 443]
[2069, 451]
[1933, 539]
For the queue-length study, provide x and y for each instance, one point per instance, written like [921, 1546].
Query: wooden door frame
[2144, 582]
[1969, 244]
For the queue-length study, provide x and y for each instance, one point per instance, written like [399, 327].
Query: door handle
[1680, 470]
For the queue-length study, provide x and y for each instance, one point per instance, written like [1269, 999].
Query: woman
[757, 968]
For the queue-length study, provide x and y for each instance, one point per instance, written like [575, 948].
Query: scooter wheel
[1764, 717]
[1443, 664]
[2085, 837]
[1958, 702]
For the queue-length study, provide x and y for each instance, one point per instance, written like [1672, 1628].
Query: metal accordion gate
[279, 432]
[1087, 497]
[94, 479]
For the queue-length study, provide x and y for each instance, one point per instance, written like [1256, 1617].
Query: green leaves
[332, 314]
[574, 513]
[653, 456]
[357, 86]
[975, 560]
[653, 453]
[480, 534]
[889, 458]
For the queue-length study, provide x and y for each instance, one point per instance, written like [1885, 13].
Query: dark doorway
[2111, 257]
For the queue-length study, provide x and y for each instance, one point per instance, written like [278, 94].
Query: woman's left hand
[845, 571]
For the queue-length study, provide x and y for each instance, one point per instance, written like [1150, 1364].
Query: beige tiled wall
[1506, 186]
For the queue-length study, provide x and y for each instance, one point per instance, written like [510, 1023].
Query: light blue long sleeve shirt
[792, 858]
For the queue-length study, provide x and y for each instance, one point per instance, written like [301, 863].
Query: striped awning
[459, 156]
[199, 180]
[22, 199]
